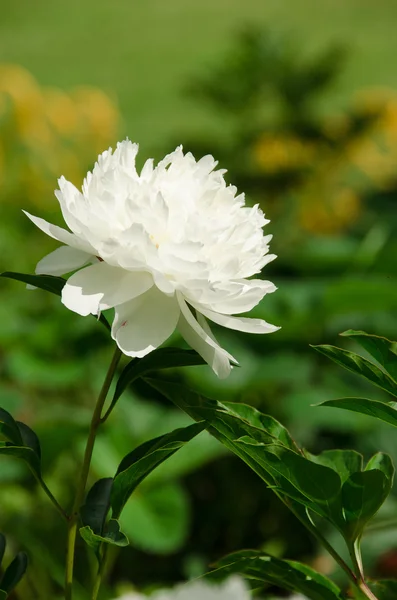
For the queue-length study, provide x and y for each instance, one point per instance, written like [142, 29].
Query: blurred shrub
[286, 149]
[46, 132]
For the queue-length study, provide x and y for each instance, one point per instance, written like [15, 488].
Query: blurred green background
[298, 100]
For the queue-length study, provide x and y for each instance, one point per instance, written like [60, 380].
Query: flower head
[166, 248]
[233, 588]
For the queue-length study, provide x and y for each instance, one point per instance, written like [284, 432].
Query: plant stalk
[100, 573]
[50, 496]
[355, 555]
[79, 497]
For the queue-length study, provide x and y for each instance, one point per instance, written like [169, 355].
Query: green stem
[50, 495]
[319, 536]
[100, 573]
[73, 519]
[355, 555]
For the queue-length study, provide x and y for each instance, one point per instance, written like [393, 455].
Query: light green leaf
[383, 350]
[156, 519]
[373, 408]
[139, 463]
[112, 535]
[360, 366]
[287, 574]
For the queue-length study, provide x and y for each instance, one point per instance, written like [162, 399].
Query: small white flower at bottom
[233, 588]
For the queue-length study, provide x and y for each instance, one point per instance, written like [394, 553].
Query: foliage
[336, 269]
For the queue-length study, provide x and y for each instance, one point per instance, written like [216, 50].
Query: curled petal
[202, 342]
[238, 323]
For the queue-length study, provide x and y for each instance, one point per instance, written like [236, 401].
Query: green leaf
[287, 574]
[24, 453]
[360, 366]
[113, 535]
[385, 589]
[14, 572]
[48, 283]
[23, 442]
[373, 408]
[263, 450]
[344, 462]
[315, 481]
[363, 493]
[139, 463]
[30, 439]
[384, 351]
[263, 422]
[9, 428]
[94, 511]
[2, 547]
[44, 282]
[162, 358]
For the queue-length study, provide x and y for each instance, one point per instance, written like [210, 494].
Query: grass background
[145, 51]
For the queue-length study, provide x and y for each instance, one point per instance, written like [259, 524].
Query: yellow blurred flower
[274, 153]
[329, 216]
[46, 132]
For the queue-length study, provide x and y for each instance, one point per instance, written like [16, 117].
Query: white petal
[63, 260]
[243, 296]
[62, 235]
[199, 340]
[144, 323]
[238, 323]
[102, 286]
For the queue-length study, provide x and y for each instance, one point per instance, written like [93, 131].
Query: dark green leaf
[263, 422]
[363, 493]
[315, 481]
[9, 428]
[30, 439]
[97, 505]
[139, 463]
[2, 547]
[383, 350]
[373, 408]
[14, 572]
[26, 454]
[48, 283]
[287, 574]
[113, 535]
[384, 589]
[261, 449]
[360, 366]
[162, 358]
[44, 282]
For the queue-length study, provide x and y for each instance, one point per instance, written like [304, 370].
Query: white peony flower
[233, 588]
[166, 248]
